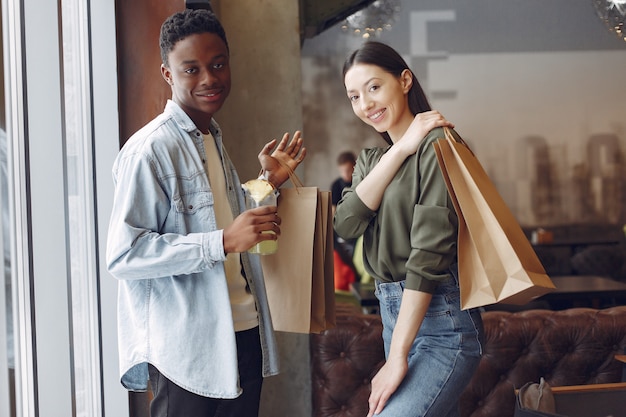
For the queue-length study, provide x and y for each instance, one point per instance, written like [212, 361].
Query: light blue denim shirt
[164, 248]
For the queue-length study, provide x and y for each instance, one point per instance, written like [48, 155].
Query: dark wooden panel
[142, 90]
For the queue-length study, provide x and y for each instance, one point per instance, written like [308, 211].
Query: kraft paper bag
[497, 264]
[299, 276]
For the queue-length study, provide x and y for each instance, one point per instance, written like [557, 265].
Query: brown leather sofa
[569, 347]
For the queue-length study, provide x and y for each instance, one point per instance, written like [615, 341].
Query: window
[58, 307]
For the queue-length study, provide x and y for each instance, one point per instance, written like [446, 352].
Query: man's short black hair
[346, 158]
[188, 22]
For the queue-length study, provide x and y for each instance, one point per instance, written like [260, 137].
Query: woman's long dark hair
[385, 57]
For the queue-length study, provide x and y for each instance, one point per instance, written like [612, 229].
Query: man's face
[199, 73]
[345, 171]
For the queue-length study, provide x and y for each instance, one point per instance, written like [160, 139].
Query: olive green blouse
[413, 233]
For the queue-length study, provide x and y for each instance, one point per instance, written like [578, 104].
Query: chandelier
[613, 14]
[372, 20]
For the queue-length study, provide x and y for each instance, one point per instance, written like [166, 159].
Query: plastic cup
[266, 247]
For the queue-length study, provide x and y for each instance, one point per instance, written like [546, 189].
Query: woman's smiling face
[380, 98]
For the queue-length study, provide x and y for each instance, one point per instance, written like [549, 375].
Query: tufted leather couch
[569, 347]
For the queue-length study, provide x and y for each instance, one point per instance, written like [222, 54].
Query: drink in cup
[260, 192]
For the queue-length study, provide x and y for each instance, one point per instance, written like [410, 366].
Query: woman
[399, 203]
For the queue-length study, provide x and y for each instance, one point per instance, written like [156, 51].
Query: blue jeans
[444, 355]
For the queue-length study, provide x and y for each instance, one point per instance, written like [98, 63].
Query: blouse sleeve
[435, 224]
[352, 216]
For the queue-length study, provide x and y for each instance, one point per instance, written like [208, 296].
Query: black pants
[170, 400]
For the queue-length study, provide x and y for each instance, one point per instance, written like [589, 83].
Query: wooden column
[142, 90]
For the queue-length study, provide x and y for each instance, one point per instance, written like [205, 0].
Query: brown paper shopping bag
[299, 276]
[497, 264]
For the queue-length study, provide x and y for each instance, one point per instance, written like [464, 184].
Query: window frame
[38, 189]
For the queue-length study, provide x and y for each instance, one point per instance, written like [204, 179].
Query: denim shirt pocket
[195, 212]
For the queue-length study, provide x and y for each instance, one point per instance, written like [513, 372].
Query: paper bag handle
[449, 136]
[292, 175]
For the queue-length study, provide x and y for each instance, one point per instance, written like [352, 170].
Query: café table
[577, 244]
[585, 291]
[556, 255]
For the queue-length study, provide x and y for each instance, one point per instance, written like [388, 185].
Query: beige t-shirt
[245, 316]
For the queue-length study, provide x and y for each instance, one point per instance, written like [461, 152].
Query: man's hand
[286, 153]
[247, 229]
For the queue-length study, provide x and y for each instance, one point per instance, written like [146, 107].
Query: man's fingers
[297, 147]
[296, 143]
[292, 147]
[283, 143]
[269, 218]
[302, 155]
[267, 149]
[264, 215]
[269, 236]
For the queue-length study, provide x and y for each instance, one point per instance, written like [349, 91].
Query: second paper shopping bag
[299, 276]
[497, 264]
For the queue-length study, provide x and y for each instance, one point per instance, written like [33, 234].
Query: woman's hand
[412, 311]
[373, 186]
[421, 125]
[386, 382]
[286, 153]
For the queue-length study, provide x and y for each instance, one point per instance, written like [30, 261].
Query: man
[192, 309]
[344, 268]
[345, 166]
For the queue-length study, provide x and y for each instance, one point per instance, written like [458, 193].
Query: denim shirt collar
[185, 123]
